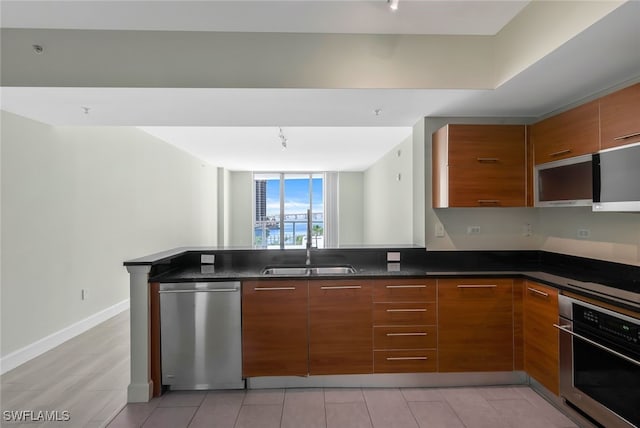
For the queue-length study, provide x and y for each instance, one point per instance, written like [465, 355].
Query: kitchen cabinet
[404, 332]
[620, 117]
[479, 166]
[541, 360]
[274, 328]
[475, 325]
[340, 327]
[571, 133]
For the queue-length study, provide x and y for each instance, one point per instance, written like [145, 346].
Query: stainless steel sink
[294, 271]
[332, 270]
[308, 270]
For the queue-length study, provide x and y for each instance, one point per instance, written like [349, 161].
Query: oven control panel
[608, 324]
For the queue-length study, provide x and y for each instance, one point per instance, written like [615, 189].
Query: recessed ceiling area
[330, 126]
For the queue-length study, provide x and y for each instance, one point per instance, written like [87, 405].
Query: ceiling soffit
[98, 58]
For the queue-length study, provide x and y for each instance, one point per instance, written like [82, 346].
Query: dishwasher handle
[195, 290]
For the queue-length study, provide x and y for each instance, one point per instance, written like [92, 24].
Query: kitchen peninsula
[416, 308]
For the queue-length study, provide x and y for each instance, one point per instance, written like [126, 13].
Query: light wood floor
[86, 376]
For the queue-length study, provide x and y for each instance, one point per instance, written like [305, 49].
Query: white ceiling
[602, 56]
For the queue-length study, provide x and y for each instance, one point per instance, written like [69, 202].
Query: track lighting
[283, 139]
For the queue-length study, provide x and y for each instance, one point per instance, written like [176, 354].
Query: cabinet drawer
[405, 291]
[404, 337]
[405, 361]
[404, 313]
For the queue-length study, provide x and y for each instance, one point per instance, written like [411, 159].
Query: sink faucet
[308, 261]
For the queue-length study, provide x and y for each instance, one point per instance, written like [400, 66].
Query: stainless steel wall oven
[600, 362]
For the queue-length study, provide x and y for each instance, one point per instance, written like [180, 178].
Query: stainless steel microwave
[564, 183]
[616, 179]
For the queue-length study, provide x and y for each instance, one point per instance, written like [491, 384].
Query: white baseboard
[21, 356]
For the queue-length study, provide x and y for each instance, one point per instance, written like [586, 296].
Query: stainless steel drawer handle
[407, 310]
[624, 137]
[216, 290]
[477, 286]
[406, 286]
[406, 358]
[561, 152]
[342, 287]
[407, 334]
[488, 159]
[567, 329]
[538, 292]
[273, 288]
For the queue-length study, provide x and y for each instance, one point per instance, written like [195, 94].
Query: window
[281, 206]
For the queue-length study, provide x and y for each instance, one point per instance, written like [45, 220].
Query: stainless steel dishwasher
[200, 333]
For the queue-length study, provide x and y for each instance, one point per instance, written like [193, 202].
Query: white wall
[76, 203]
[350, 208]
[388, 202]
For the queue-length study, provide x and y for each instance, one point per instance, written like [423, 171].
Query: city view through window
[282, 201]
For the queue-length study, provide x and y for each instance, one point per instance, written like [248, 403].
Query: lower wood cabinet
[540, 312]
[475, 325]
[404, 332]
[274, 328]
[340, 327]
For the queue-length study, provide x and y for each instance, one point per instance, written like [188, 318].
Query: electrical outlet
[439, 230]
[584, 233]
[473, 230]
[527, 230]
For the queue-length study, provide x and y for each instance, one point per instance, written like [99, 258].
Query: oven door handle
[566, 329]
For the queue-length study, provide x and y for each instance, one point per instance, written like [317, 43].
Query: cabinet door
[572, 133]
[479, 165]
[540, 337]
[475, 325]
[274, 328]
[620, 117]
[340, 327]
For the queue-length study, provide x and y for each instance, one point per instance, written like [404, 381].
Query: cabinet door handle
[477, 286]
[408, 334]
[406, 358]
[561, 152]
[273, 288]
[341, 287]
[407, 310]
[406, 286]
[538, 292]
[488, 201]
[488, 159]
[624, 137]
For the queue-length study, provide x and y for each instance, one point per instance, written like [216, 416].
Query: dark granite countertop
[613, 282]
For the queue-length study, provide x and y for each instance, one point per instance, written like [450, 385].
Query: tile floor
[478, 407]
[89, 374]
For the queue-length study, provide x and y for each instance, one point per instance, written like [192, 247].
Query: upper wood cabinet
[620, 117]
[340, 327]
[479, 166]
[541, 355]
[475, 325]
[572, 133]
[274, 328]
